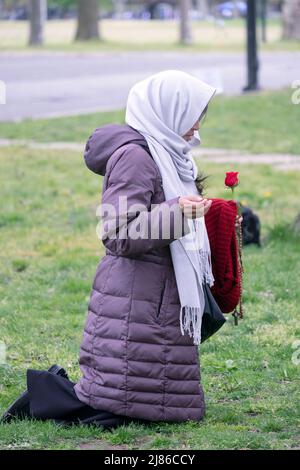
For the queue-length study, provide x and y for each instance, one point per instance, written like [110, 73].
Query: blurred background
[137, 38]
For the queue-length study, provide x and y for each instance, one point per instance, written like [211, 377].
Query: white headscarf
[163, 108]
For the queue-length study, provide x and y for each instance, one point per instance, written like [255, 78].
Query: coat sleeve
[130, 223]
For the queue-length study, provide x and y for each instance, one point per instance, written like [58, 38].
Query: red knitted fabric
[220, 224]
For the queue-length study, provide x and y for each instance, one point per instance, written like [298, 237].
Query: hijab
[163, 108]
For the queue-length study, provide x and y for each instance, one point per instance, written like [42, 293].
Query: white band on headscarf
[163, 108]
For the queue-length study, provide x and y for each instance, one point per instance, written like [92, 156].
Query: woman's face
[189, 134]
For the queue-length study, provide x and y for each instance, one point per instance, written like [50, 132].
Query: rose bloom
[231, 179]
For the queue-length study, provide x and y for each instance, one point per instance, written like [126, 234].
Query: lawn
[260, 122]
[127, 35]
[49, 255]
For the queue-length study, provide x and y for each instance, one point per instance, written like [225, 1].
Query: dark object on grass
[20, 408]
[50, 395]
[250, 226]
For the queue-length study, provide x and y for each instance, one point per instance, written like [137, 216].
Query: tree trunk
[291, 19]
[185, 24]
[37, 18]
[263, 13]
[87, 20]
[119, 8]
[202, 6]
[235, 10]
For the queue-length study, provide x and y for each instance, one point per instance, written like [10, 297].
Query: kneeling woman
[139, 354]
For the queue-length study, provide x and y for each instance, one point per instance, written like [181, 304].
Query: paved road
[56, 84]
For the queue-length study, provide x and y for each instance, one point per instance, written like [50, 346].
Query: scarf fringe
[191, 317]
[206, 274]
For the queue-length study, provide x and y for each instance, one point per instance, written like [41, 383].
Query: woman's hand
[194, 206]
[238, 221]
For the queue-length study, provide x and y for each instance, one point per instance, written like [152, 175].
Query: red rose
[231, 179]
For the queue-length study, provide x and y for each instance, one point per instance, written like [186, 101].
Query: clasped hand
[197, 206]
[194, 206]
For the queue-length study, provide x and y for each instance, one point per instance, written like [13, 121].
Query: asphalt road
[51, 84]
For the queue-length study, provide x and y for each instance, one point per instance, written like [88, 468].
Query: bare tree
[202, 6]
[291, 19]
[37, 18]
[185, 25]
[235, 9]
[119, 7]
[87, 20]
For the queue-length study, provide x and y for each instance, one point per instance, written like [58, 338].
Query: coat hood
[105, 140]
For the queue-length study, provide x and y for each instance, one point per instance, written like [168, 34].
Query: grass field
[262, 122]
[142, 35]
[48, 259]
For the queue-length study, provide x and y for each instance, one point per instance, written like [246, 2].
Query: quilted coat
[133, 358]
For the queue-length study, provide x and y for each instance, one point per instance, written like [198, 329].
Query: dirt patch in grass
[100, 444]
[97, 444]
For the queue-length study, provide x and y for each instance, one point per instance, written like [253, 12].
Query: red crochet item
[220, 223]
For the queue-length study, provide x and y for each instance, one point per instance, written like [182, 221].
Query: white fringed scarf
[163, 108]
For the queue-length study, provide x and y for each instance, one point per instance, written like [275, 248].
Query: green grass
[48, 259]
[260, 122]
[139, 35]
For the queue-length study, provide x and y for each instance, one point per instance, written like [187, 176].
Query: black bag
[250, 226]
[213, 317]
